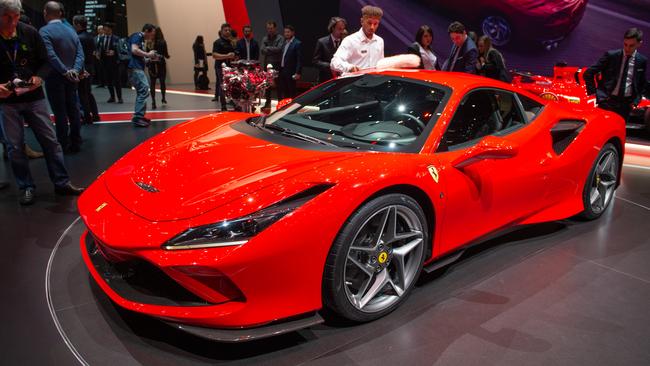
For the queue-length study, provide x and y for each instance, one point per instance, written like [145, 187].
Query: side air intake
[564, 132]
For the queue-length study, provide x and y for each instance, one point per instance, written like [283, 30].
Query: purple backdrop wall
[600, 29]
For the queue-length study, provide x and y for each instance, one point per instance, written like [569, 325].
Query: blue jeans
[141, 84]
[62, 95]
[36, 115]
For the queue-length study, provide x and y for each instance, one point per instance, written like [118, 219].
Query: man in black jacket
[463, 53]
[622, 76]
[247, 47]
[109, 54]
[222, 52]
[86, 97]
[23, 66]
[290, 64]
[327, 46]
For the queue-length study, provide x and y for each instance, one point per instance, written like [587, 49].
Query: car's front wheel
[600, 185]
[376, 258]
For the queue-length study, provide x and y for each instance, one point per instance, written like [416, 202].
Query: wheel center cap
[382, 258]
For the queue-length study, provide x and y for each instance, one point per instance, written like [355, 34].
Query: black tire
[590, 211]
[335, 292]
[646, 119]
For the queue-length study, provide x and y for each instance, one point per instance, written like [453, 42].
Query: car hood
[201, 165]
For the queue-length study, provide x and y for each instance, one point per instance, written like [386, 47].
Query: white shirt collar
[363, 38]
[55, 21]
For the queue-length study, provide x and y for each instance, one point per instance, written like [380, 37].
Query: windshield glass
[366, 112]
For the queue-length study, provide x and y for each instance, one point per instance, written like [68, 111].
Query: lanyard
[9, 56]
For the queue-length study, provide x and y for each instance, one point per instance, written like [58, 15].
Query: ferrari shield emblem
[434, 173]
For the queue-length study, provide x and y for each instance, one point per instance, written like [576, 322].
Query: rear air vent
[564, 132]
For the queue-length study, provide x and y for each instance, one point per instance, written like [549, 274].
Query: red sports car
[544, 21]
[568, 85]
[237, 226]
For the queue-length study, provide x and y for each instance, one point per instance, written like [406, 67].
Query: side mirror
[490, 147]
[283, 103]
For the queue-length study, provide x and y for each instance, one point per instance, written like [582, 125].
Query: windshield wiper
[257, 121]
[301, 136]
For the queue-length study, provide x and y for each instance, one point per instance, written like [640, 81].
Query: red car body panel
[207, 172]
[568, 85]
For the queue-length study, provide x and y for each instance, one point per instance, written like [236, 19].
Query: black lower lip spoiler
[237, 335]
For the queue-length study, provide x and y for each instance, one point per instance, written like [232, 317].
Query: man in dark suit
[86, 97]
[66, 57]
[290, 64]
[622, 76]
[247, 47]
[463, 53]
[327, 46]
[108, 53]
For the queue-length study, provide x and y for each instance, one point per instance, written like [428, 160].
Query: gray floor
[562, 293]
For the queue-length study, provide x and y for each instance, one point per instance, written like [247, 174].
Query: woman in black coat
[200, 60]
[490, 62]
[158, 68]
[422, 48]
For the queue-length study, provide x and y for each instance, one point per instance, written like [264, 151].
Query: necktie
[336, 44]
[620, 89]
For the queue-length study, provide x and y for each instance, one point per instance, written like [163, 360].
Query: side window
[482, 112]
[509, 111]
[531, 107]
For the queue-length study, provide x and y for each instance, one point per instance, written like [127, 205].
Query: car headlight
[240, 230]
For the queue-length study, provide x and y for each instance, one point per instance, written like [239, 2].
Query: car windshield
[365, 112]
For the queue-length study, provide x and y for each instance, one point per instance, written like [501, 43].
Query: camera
[17, 83]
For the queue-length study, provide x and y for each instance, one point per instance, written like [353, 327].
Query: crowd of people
[55, 66]
[338, 53]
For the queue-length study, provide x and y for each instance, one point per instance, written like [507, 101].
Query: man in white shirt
[363, 49]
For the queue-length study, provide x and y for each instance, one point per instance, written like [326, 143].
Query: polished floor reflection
[561, 293]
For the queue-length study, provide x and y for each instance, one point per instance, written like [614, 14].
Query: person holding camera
[158, 69]
[66, 58]
[23, 64]
[138, 77]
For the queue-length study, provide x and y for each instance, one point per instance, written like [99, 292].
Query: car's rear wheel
[376, 258]
[601, 183]
[646, 119]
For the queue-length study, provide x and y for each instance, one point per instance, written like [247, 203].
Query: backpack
[203, 83]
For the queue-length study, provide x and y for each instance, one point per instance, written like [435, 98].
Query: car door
[491, 192]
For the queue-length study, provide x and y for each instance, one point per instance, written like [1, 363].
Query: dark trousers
[197, 72]
[157, 72]
[267, 94]
[619, 105]
[99, 71]
[112, 77]
[286, 85]
[87, 99]
[62, 95]
[36, 116]
[219, 93]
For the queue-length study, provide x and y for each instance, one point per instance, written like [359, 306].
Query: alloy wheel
[603, 182]
[384, 258]
[498, 29]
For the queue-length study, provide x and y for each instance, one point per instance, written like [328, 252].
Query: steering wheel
[421, 126]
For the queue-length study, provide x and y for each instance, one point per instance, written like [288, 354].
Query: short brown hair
[635, 33]
[456, 27]
[371, 11]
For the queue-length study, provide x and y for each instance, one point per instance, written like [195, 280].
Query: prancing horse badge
[434, 173]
